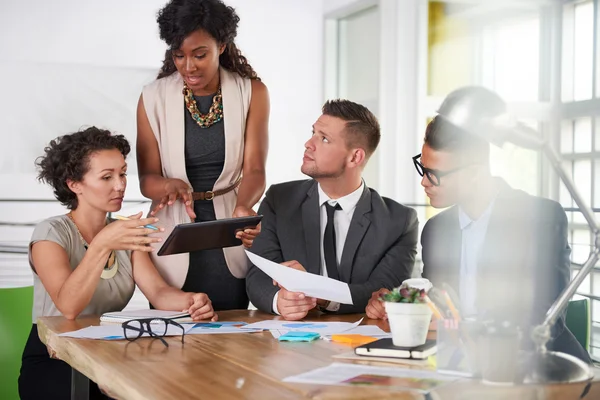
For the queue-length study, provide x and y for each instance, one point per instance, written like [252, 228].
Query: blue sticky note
[113, 337]
[299, 337]
[207, 325]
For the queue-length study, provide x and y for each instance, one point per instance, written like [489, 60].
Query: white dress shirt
[473, 236]
[341, 222]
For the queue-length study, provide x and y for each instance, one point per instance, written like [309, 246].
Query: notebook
[385, 348]
[122, 316]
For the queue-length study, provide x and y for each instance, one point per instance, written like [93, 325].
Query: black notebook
[385, 348]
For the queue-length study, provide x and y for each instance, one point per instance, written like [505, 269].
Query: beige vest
[164, 104]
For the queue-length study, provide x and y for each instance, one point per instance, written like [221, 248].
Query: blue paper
[295, 336]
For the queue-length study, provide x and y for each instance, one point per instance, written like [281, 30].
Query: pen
[453, 309]
[129, 219]
[433, 308]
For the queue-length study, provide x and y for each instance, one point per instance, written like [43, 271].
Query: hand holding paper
[311, 285]
[290, 264]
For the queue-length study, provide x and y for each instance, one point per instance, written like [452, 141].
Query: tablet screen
[216, 234]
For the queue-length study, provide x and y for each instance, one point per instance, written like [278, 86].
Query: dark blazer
[379, 251]
[523, 265]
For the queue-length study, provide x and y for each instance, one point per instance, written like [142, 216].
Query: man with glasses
[503, 252]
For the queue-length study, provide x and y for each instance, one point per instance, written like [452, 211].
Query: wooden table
[242, 366]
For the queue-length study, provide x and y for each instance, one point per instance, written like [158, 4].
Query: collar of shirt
[464, 219]
[347, 202]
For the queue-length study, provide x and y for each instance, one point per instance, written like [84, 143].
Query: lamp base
[553, 367]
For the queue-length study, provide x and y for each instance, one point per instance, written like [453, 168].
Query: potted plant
[408, 314]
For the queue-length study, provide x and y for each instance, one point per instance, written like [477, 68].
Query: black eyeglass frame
[424, 171]
[146, 327]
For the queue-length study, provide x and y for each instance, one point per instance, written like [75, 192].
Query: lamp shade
[483, 113]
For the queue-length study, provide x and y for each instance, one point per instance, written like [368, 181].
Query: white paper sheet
[114, 332]
[323, 328]
[367, 375]
[351, 355]
[211, 328]
[311, 285]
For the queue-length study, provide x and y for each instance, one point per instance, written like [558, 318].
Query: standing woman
[202, 143]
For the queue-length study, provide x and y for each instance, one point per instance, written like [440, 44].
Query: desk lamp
[483, 113]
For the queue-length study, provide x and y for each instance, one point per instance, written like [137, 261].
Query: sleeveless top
[204, 158]
[110, 295]
[204, 150]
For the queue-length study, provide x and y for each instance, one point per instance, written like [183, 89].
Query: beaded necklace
[112, 265]
[215, 113]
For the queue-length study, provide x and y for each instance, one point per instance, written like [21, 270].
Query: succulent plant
[404, 294]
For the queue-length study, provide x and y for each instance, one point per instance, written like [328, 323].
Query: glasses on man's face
[154, 327]
[434, 176]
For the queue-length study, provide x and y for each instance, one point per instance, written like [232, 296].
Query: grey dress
[204, 159]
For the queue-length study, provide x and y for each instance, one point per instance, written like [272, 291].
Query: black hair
[67, 158]
[179, 18]
[442, 135]
[362, 127]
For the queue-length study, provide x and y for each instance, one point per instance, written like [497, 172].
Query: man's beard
[315, 173]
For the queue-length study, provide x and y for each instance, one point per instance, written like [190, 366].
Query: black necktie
[329, 249]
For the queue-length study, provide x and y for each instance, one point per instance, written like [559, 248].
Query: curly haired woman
[202, 143]
[85, 263]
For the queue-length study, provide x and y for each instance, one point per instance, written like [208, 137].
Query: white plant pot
[409, 323]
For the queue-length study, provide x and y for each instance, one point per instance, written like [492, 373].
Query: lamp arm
[556, 163]
[541, 334]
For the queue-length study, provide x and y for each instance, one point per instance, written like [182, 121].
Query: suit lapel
[356, 232]
[311, 222]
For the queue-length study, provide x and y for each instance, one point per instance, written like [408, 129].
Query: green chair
[15, 325]
[578, 320]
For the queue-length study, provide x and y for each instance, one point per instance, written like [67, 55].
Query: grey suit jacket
[523, 266]
[379, 251]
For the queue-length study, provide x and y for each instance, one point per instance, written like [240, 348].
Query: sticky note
[299, 337]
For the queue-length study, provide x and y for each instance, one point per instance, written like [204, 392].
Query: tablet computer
[207, 235]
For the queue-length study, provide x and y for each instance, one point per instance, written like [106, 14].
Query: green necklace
[214, 115]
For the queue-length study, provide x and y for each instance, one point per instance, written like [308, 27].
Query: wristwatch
[323, 308]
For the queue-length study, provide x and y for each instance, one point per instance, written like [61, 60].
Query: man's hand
[375, 309]
[293, 305]
[291, 264]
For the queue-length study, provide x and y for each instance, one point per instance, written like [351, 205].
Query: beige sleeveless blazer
[164, 105]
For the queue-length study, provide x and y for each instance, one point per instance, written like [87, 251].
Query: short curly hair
[179, 18]
[68, 158]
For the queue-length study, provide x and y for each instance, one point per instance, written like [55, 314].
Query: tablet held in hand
[216, 234]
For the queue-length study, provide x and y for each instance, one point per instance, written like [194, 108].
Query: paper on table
[311, 285]
[323, 328]
[366, 375]
[114, 332]
[351, 355]
[210, 328]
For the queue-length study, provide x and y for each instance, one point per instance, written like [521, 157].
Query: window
[497, 47]
[580, 140]
[352, 65]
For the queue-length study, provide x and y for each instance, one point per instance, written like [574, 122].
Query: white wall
[69, 63]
